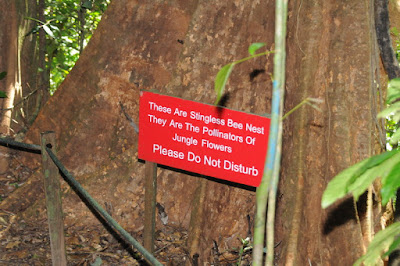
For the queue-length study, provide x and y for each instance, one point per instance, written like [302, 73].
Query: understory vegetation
[384, 169]
[69, 25]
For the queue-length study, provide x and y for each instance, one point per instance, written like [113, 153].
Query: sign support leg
[150, 205]
[53, 200]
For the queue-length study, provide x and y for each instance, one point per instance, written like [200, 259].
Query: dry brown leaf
[95, 239]
[3, 221]
[82, 238]
[36, 240]
[73, 241]
[16, 254]
[14, 244]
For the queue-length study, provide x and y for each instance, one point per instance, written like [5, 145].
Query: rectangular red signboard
[202, 138]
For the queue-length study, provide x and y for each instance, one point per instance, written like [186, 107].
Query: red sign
[202, 138]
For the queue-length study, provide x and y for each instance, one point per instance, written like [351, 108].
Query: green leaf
[381, 242]
[388, 111]
[87, 4]
[394, 84]
[395, 118]
[383, 169]
[390, 184]
[393, 91]
[221, 79]
[392, 97]
[362, 182]
[394, 31]
[395, 137]
[374, 161]
[54, 27]
[3, 75]
[255, 46]
[392, 247]
[337, 187]
[3, 94]
[340, 185]
[48, 31]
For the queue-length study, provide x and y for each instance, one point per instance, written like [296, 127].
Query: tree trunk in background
[177, 48]
[43, 82]
[11, 80]
[18, 59]
[332, 55]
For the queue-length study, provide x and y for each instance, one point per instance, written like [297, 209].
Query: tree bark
[44, 74]
[21, 65]
[12, 82]
[177, 48]
[332, 55]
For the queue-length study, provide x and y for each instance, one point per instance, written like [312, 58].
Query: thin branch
[21, 101]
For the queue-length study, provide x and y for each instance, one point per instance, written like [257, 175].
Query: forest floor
[24, 240]
[27, 243]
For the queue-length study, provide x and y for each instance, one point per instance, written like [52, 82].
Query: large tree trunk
[11, 82]
[332, 56]
[20, 64]
[177, 47]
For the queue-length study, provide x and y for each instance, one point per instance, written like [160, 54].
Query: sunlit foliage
[66, 19]
[391, 125]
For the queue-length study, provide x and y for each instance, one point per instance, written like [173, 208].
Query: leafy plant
[356, 179]
[64, 30]
[223, 74]
[65, 47]
[387, 239]
[393, 111]
[15, 184]
[246, 246]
